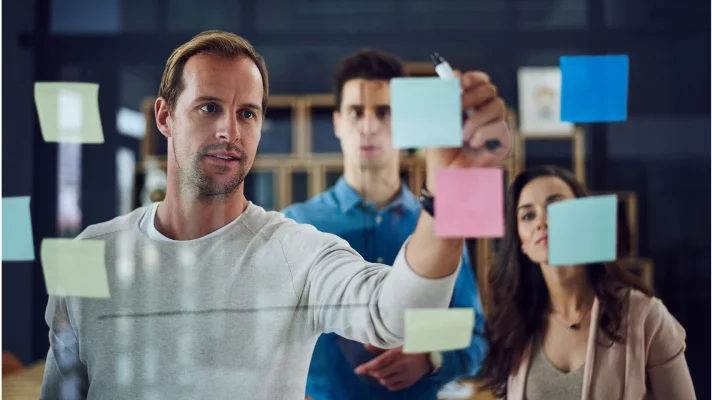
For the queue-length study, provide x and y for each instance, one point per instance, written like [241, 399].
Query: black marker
[443, 69]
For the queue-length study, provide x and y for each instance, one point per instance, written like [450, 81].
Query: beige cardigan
[650, 364]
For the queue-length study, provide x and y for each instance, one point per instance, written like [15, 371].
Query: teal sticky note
[17, 241]
[426, 112]
[583, 230]
[594, 88]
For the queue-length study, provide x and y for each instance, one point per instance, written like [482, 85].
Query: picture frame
[539, 90]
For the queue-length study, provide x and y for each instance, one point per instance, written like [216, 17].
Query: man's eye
[248, 114]
[355, 113]
[211, 108]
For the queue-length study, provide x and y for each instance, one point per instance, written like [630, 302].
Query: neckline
[551, 365]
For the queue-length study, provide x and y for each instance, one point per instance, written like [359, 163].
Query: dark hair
[517, 296]
[365, 64]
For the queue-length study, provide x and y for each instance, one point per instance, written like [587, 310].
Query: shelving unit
[578, 149]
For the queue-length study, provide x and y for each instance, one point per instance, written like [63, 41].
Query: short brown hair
[372, 64]
[223, 44]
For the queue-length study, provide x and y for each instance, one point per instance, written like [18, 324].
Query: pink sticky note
[469, 203]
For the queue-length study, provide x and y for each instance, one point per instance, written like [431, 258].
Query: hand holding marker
[443, 69]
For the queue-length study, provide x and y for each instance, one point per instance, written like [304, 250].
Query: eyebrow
[548, 200]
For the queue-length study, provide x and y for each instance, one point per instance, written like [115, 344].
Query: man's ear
[162, 116]
[336, 117]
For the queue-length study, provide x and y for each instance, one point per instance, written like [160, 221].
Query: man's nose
[371, 123]
[229, 130]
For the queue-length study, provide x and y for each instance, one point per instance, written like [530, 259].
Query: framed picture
[540, 101]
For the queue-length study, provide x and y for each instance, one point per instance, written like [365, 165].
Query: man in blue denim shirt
[375, 212]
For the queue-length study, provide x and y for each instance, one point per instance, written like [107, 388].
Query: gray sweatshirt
[232, 315]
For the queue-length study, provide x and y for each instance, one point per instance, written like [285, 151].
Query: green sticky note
[583, 230]
[74, 268]
[17, 240]
[426, 112]
[438, 329]
[69, 112]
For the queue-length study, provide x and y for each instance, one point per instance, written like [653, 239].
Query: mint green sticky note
[69, 112]
[438, 329]
[583, 230]
[17, 241]
[426, 112]
[74, 268]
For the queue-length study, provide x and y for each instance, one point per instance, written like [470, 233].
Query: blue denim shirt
[378, 236]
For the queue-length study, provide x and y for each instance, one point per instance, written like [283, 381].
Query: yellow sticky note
[69, 112]
[438, 329]
[74, 268]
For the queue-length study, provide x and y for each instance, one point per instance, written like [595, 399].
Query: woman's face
[531, 214]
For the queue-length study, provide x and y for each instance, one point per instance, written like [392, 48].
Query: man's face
[363, 124]
[216, 125]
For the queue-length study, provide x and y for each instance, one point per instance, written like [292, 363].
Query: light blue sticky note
[594, 88]
[17, 241]
[582, 230]
[426, 112]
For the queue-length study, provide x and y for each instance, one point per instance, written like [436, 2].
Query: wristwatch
[436, 361]
[427, 201]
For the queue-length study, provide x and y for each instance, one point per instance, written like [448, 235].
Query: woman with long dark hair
[567, 332]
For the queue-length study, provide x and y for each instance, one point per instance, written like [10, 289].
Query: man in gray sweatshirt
[212, 297]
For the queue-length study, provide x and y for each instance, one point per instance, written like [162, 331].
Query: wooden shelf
[578, 149]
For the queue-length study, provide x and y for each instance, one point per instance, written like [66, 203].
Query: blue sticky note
[594, 88]
[426, 112]
[17, 241]
[582, 230]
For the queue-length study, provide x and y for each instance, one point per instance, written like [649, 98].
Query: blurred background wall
[662, 152]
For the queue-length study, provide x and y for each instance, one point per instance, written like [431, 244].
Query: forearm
[430, 256]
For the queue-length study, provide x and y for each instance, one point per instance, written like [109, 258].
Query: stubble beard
[207, 188]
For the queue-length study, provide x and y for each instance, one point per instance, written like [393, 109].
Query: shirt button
[378, 219]
[379, 260]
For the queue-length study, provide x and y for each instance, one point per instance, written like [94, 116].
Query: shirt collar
[348, 198]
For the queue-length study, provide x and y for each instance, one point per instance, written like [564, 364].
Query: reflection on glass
[130, 123]
[69, 188]
[125, 169]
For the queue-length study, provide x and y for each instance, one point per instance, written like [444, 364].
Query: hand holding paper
[427, 112]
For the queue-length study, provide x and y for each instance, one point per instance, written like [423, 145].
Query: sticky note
[582, 230]
[74, 268]
[17, 241]
[594, 88]
[469, 202]
[69, 112]
[426, 112]
[438, 329]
